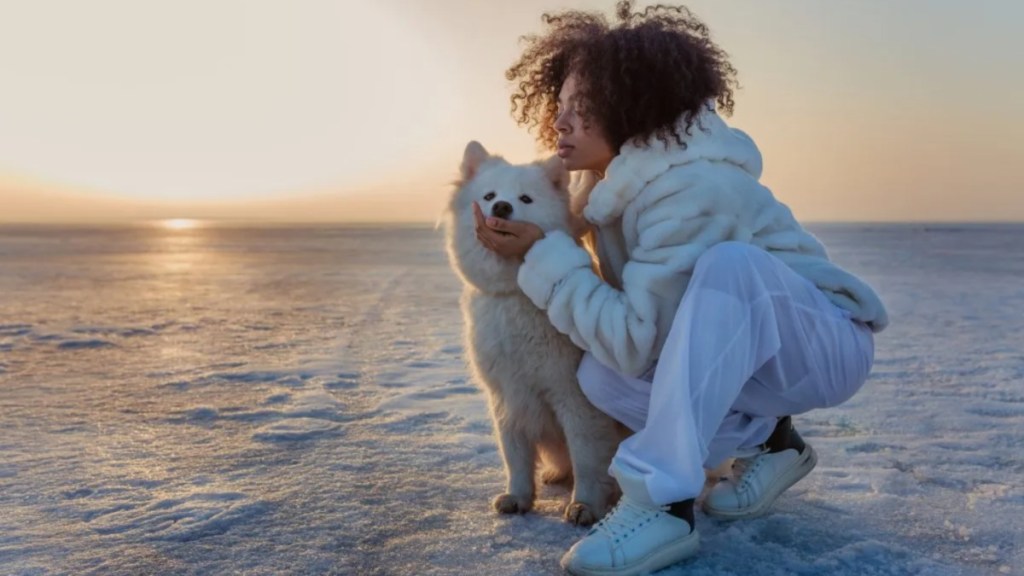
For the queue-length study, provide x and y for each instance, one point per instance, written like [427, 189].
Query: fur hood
[636, 166]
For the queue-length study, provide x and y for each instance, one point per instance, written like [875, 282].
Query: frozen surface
[294, 401]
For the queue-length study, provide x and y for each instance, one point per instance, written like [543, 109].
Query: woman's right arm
[624, 328]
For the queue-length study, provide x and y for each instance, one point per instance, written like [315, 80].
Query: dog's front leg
[592, 440]
[520, 458]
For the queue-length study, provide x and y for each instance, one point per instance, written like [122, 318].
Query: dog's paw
[511, 504]
[552, 475]
[580, 514]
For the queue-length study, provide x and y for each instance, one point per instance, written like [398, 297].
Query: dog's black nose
[501, 210]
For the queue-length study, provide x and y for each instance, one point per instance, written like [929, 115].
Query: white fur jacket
[657, 210]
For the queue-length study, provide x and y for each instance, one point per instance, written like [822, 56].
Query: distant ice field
[294, 400]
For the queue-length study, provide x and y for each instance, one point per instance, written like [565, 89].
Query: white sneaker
[785, 460]
[633, 539]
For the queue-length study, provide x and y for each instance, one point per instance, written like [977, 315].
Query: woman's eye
[525, 199]
[489, 196]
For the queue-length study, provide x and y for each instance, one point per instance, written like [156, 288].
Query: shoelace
[625, 518]
[747, 468]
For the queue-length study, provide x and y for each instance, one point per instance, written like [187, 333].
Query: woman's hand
[504, 237]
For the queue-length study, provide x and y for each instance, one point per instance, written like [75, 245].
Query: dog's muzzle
[501, 210]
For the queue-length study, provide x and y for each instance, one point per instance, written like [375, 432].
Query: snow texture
[294, 400]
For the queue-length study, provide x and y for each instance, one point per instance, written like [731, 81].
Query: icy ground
[294, 401]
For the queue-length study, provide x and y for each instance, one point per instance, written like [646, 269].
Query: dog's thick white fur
[526, 366]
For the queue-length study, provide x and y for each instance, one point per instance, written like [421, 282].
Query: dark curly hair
[634, 79]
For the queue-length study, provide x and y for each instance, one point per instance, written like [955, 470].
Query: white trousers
[752, 341]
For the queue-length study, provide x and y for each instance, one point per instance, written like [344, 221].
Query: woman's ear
[556, 172]
[472, 158]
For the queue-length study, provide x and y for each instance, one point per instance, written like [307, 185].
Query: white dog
[526, 366]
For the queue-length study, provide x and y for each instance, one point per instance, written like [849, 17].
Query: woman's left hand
[505, 237]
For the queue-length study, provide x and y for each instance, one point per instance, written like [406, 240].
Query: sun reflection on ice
[178, 247]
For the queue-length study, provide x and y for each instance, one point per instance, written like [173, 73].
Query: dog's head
[536, 192]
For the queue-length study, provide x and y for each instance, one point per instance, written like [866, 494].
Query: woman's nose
[561, 125]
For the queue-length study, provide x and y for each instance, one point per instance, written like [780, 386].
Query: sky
[317, 110]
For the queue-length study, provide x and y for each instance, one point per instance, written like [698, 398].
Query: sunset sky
[339, 110]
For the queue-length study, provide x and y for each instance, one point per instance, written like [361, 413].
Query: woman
[715, 317]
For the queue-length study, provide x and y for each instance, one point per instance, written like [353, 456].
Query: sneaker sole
[661, 558]
[795, 473]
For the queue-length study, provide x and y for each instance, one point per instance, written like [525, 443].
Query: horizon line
[214, 222]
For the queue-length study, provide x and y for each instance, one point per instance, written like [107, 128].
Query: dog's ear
[556, 172]
[472, 158]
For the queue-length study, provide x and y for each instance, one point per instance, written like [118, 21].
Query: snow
[294, 400]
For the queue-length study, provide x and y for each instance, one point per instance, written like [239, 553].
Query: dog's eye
[489, 196]
[525, 199]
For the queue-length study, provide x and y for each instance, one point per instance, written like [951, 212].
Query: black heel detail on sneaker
[784, 437]
[683, 510]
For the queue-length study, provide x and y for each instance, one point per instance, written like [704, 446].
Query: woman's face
[581, 145]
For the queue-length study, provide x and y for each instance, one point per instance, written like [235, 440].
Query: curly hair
[634, 79]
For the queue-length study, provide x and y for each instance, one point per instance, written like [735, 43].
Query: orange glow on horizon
[179, 223]
[278, 112]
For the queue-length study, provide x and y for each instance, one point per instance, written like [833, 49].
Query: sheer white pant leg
[751, 341]
[623, 398]
[626, 399]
